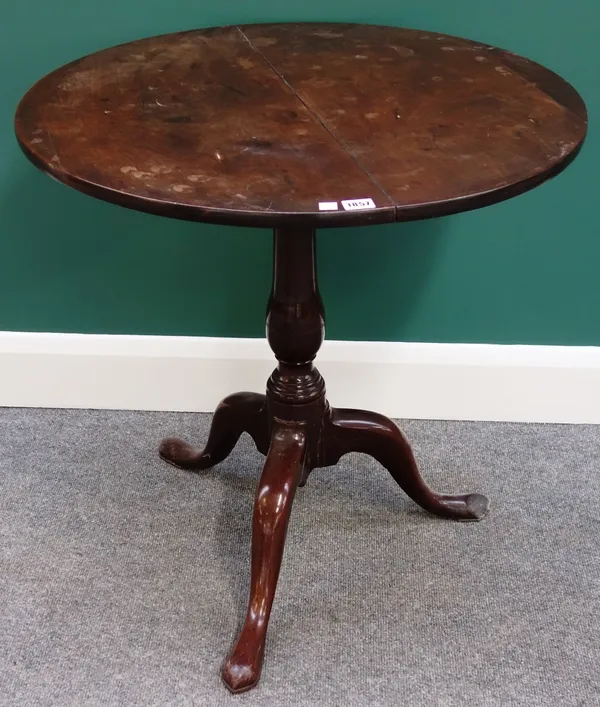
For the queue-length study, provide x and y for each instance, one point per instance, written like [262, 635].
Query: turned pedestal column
[298, 431]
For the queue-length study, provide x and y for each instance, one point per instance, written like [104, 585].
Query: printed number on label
[355, 204]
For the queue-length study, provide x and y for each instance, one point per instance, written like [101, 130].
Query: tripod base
[294, 448]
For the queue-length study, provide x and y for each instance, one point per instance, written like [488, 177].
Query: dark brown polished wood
[256, 125]
[305, 434]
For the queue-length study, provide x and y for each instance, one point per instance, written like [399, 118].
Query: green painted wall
[526, 271]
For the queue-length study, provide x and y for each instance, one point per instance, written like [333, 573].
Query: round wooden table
[294, 127]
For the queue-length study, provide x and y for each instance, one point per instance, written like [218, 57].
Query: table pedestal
[294, 426]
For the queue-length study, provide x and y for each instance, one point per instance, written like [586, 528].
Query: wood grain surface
[258, 124]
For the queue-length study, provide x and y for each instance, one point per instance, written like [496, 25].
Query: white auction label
[328, 205]
[355, 204]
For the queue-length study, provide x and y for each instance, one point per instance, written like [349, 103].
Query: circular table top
[275, 124]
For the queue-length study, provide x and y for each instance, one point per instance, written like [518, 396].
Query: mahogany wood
[258, 124]
[305, 434]
[272, 508]
[241, 412]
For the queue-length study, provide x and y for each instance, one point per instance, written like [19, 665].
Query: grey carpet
[123, 581]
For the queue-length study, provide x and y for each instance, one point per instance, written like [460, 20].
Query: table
[294, 127]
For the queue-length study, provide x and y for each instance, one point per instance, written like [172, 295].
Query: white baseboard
[407, 380]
